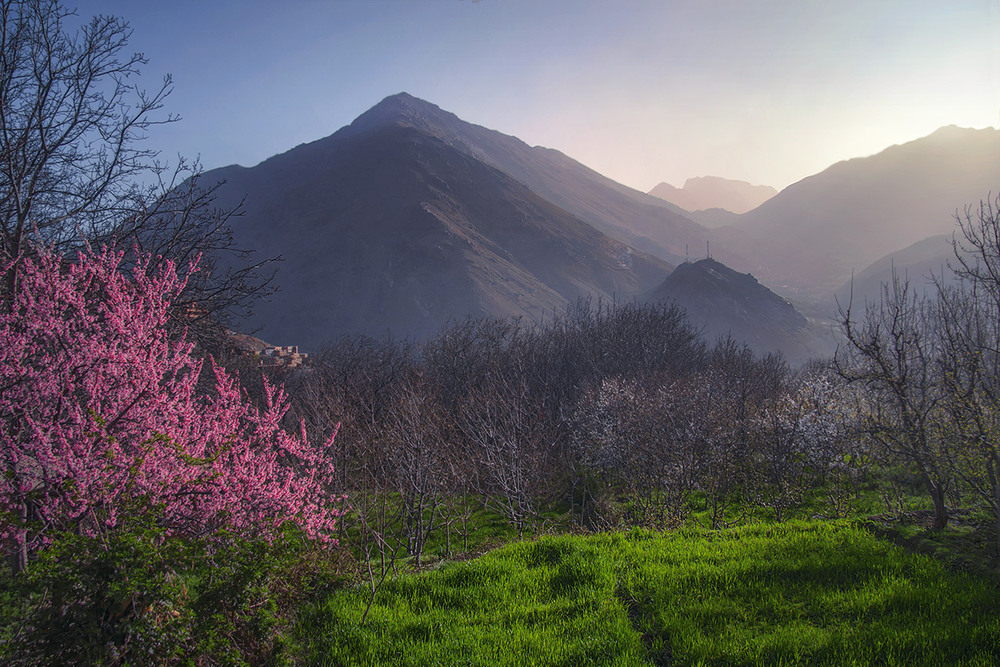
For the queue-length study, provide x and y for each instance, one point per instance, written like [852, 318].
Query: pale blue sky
[768, 91]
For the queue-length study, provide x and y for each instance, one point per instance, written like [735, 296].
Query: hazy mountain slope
[815, 232]
[921, 263]
[646, 223]
[713, 218]
[725, 302]
[387, 228]
[708, 192]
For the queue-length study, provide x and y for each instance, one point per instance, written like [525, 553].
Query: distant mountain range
[411, 217]
[712, 192]
[809, 238]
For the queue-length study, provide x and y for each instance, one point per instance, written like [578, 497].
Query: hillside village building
[270, 356]
[285, 356]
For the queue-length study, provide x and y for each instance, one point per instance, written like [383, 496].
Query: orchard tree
[783, 426]
[100, 416]
[416, 444]
[893, 351]
[830, 423]
[969, 315]
[636, 436]
[729, 392]
[507, 436]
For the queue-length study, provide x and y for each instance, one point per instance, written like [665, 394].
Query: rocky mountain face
[713, 192]
[809, 238]
[644, 222]
[724, 302]
[389, 226]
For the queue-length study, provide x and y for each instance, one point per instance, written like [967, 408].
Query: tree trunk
[19, 554]
[995, 478]
[940, 511]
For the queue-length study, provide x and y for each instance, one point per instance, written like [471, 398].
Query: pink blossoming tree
[99, 415]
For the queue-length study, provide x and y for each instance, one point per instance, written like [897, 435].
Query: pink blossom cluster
[100, 414]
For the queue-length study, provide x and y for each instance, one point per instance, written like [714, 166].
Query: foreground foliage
[141, 596]
[791, 593]
[150, 514]
[101, 412]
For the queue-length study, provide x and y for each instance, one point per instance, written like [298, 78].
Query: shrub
[141, 596]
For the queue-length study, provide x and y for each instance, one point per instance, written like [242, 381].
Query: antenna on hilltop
[708, 250]
[687, 255]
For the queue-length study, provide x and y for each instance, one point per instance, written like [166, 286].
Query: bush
[141, 596]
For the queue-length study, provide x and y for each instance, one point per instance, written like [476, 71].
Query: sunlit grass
[545, 602]
[808, 592]
[769, 594]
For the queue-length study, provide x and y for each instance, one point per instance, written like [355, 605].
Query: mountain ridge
[814, 233]
[713, 192]
[642, 221]
[390, 229]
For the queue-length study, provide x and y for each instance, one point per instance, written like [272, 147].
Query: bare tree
[76, 166]
[968, 313]
[506, 435]
[354, 384]
[72, 124]
[178, 219]
[422, 468]
[893, 352]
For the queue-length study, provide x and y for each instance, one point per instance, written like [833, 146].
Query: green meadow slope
[798, 593]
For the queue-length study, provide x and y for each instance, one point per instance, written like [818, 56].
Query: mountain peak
[406, 220]
[406, 103]
[708, 270]
[403, 110]
[708, 192]
[724, 301]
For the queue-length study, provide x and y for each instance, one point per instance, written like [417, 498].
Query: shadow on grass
[968, 544]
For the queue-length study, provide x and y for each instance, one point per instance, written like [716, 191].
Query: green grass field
[800, 593]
